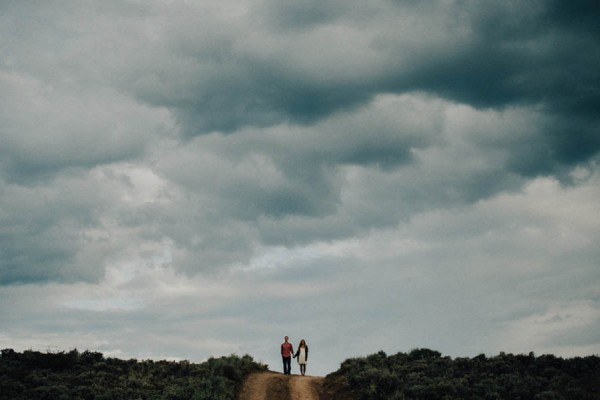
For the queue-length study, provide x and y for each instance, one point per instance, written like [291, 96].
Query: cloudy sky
[185, 179]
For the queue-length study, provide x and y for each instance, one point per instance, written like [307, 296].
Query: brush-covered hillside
[420, 374]
[89, 375]
[425, 374]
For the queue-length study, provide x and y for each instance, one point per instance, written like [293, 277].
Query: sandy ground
[276, 386]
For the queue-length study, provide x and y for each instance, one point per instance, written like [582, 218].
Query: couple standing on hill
[287, 350]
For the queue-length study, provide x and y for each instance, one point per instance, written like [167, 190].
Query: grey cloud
[579, 15]
[298, 171]
[454, 280]
[224, 69]
[295, 185]
[498, 57]
[339, 120]
[40, 232]
[307, 14]
[556, 148]
[44, 258]
[70, 227]
[49, 127]
[507, 55]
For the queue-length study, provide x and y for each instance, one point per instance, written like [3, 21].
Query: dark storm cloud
[298, 171]
[517, 53]
[264, 70]
[563, 144]
[41, 232]
[578, 15]
[299, 122]
[266, 63]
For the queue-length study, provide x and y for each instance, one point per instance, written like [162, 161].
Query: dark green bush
[88, 375]
[425, 374]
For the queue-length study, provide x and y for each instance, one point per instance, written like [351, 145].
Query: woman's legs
[302, 369]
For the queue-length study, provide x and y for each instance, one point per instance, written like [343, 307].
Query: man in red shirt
[287, 350]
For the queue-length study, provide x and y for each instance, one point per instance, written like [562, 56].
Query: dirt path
[305, 387]
[276, 386]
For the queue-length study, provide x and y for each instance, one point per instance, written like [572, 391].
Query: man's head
[286, 339]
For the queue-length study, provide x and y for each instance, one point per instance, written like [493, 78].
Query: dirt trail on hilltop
[276, 386]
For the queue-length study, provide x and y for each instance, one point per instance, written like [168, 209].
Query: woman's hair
[302, 342]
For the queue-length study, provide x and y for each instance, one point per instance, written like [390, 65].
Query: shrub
[425, 374]
[88, 375]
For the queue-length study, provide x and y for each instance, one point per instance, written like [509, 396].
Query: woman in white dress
[302, 356]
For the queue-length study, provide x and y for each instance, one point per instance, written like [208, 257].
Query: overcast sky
[186, 179]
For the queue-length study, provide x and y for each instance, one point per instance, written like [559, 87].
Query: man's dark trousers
[287, 365]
